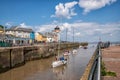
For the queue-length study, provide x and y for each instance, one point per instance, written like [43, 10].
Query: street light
[57, 30]
[4, 33]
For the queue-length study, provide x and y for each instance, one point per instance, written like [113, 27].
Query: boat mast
[73, 34]
[66, 34]
[59, 44]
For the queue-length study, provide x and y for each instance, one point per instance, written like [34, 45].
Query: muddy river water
[42, 70]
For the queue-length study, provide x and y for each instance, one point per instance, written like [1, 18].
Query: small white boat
[66, 53]
[74, 51]
[80, 46]
[59, 63]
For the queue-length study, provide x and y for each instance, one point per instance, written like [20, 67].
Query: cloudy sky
[89, 20]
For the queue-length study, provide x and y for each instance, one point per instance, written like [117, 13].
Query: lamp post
[66, 35]
[4, 37]
[73, 34]
[57, 30]
[4, 33]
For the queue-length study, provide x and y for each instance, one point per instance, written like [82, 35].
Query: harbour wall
[11, 57]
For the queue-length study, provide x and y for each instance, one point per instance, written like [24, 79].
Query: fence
[95, 72]
[93, 69]
[5, 44]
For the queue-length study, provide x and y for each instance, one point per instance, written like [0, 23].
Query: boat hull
[58, 63]
[66, 54]
[74, 51]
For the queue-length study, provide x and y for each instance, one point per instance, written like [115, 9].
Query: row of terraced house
[17, 35]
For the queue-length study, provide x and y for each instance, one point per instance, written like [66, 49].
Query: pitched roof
[41, 34]
[17, 28]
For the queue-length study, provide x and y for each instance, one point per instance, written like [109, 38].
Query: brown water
[42, 70]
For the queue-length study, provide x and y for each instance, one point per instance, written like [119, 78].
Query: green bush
[109, 73]
[105, 73]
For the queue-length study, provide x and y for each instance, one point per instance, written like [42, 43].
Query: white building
[22, 35]
[49, 36]
[53, 36]
[19, 32]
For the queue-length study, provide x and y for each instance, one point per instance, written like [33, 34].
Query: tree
[1, 26]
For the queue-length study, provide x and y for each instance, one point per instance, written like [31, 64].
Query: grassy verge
[104, 72]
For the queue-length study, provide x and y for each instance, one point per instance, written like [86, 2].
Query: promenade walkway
[111, 59]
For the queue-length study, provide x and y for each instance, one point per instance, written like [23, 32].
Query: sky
[86, 20]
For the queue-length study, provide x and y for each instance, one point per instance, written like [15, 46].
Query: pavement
[111, 59]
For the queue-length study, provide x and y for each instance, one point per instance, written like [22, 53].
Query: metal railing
[93, 69]
[95, 72]
[99, 65]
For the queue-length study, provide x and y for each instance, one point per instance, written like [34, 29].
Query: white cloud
[83, 28]
[23, 25]
[108, 28]
[66, 25]
[45, 28]
[55, 22]
[65, 10]
[89, 5]
[8, 24]
[111, 34]
[78, 34]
